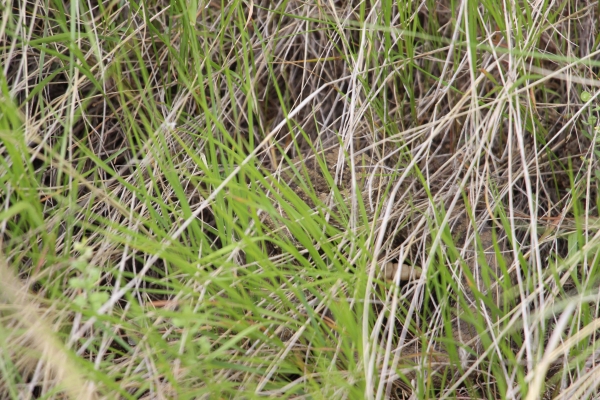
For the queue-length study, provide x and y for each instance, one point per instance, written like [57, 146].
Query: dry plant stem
[39, 336]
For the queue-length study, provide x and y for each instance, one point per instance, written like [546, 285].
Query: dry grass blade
[28, 335]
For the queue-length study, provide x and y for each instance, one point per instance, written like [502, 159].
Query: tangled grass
[135, 140]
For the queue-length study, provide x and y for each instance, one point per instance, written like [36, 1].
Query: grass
[138, 144]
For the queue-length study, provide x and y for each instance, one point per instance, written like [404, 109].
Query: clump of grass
[136, 144]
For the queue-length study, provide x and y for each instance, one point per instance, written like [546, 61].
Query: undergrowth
[153, 246]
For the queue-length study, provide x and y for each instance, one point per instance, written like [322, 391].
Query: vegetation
[137, 140]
